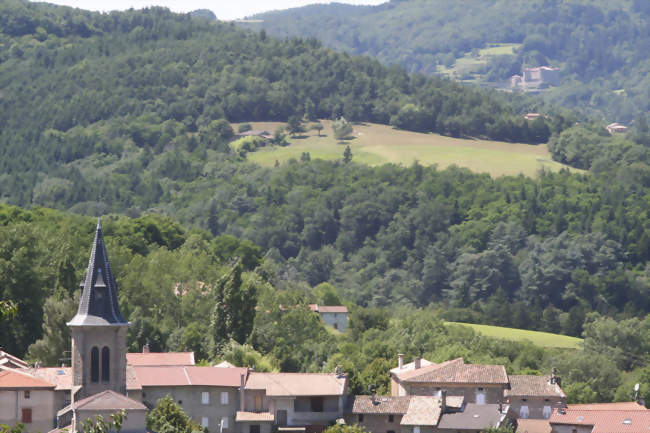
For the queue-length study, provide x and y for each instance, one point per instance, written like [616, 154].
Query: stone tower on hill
[98, 329]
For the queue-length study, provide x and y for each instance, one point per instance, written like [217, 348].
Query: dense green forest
[600, 46]
[187, 290]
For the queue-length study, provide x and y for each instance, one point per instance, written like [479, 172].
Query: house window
[336, 326]
[204, 422]
[258, 403]
[416, 429]
[224, 397]
[437, 392]
[27, 416]
[205, 398]
[360, 417]
[547, 411]
[94, 364]
[27, 394]
[106, 364]
[523, 412]
[224, 422]
[255, 428]
[480, 397]
[317, 404]
[390, 418]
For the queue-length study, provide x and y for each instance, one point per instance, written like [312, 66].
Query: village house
[628, 417]
[208, 395]
[105, 404]
[477, 383]
[300, 401]
[26, 399]
[534, 78]
[424, 414]
[335, 316]
[534, 396]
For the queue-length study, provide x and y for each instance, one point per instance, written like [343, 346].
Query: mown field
[544, 339]
[379, 144]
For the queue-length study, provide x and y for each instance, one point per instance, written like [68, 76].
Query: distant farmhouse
[335, 316]
[616, 128]
[536, 78]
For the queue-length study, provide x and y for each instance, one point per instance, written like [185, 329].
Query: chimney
[400, 360]
[145, 348]
[373, 394]
[443, 401]
[242, 385]
[418, 362]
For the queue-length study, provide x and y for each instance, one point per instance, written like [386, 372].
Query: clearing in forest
[544, 339]
[375, 144]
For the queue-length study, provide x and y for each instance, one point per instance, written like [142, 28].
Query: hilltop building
[536, 78]
[335, 316]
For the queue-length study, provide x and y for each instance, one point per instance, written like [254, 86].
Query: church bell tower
[98, 329]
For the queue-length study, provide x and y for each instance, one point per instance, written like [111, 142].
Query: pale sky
[223, 9]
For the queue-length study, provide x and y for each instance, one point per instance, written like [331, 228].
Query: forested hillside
[128, 113]
[599, 46]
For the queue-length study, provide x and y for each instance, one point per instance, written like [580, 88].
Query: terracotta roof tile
[605, 421]
[533, 426]
[624, 405]
[21, 380]
[332, 309]
[363, 404]
[532, 386]
[59, 376]
[62, 377]
[166, 358]
[108, 400]
[422, 410]
[188, 376]
[297, 384]
[254, 416]
[456, 371]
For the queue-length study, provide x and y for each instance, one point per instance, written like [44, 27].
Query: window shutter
[224, 397]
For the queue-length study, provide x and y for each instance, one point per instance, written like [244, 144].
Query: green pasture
[374, 144]
[544, 339]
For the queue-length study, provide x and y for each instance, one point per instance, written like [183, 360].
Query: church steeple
[98, 329]
[98, 304]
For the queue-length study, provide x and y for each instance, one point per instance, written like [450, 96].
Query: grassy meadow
[379, 144]
[544, 339]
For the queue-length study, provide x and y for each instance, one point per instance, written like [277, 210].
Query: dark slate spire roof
[98, 305]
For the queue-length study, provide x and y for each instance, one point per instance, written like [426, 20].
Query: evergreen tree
[347, 154]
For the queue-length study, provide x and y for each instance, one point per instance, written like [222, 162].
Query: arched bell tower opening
[98, 329]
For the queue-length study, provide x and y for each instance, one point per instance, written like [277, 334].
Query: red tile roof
[189, 376]
[332, 309]
[328, 308]
[62, 377]
[605, 421]
[364, 404]
[59, 376]
[456, 371]
[166, 358]
[108, 400]
[297, 384]
[15, 379]
[533, 386]
[422, 410]
[624, 405]
[533, 426]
